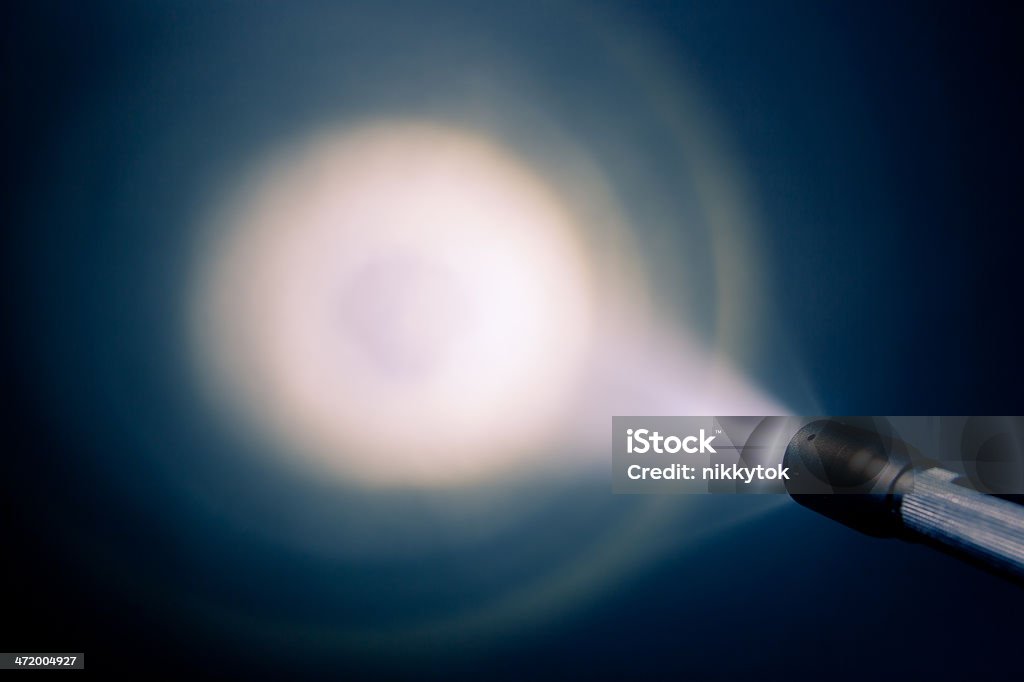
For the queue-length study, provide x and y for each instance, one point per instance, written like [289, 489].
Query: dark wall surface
[882, 146]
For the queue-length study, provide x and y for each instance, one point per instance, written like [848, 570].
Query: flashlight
[880, 486]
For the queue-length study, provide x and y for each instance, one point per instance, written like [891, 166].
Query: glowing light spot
[403, 304]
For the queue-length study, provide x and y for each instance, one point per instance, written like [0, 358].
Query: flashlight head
[848, 473]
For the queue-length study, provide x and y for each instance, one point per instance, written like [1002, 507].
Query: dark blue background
[884, 146]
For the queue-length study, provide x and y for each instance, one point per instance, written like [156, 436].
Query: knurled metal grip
[986, 528]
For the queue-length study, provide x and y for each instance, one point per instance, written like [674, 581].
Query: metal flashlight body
[877, 485]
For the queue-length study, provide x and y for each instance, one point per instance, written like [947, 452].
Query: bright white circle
[403, 305]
